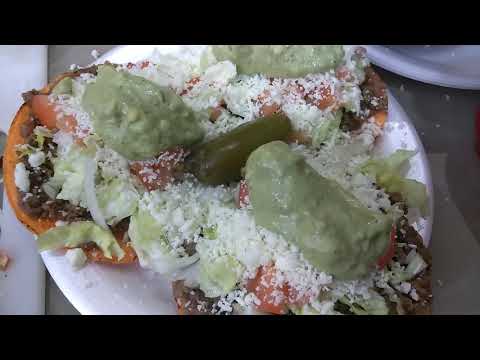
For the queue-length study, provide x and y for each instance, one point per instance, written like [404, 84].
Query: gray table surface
[444, 118]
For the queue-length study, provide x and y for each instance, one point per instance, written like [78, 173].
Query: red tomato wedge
[190, 84]
[273, 297]
[45, 112]
[243, 199]
[158, 173]
[322, 97]
[142, 65]
[385, 258]
[267, 107]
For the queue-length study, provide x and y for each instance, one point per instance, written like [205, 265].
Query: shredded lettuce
[77, 234]
[317, 307]
[374, 305]
[117, 200]
[152, 246]
[69, 175]
[25, 150]
[416, 264]
[63, 87]
[327, 129]
[219, 276]
[210, 232]
[387, 173]
[40, 133]
[397, 274]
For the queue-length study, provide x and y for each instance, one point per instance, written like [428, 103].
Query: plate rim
[411, 68]
[84, 307]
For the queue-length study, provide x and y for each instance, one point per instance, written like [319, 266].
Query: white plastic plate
[453, 66]
[100, 289]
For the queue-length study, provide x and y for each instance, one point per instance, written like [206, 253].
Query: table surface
[444, 118]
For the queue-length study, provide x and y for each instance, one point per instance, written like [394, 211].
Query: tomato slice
[243, 199]
[273, 297]
[343, 73]
[158, 173]
[322, 97]
[387, 257]
[142, 65]
[190, 84]
[267, 107]
[45, 112]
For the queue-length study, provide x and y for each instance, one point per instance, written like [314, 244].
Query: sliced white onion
[90, 194]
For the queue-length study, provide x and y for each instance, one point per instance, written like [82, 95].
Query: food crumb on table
[402, 88]
[437, 125]
[440, 283]
[447, 97]
[95, 54]
[4, 260]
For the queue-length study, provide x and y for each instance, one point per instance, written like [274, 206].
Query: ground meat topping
[374, 90]
[375, 98]
[421, 283]
[36, 202]
[192, 301]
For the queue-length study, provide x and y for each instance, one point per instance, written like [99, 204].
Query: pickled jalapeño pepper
[220, 160]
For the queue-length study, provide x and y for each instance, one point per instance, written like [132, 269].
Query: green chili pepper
[220, 160]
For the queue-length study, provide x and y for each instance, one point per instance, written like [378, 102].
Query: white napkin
[22, 286]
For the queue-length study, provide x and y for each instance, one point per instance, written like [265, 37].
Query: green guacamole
[281, 60]
[136, 117]
[332, 229]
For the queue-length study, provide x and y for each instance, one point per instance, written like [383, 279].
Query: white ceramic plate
[100, 289]
[453, 66]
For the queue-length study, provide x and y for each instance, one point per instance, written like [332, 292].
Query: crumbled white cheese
[413, 294]
[404, 287]
[22, 180]
[112, 164]
[211, 86]
[36, 159]
[73, 67]
[64, 141]
[76, 257]
[95, 54]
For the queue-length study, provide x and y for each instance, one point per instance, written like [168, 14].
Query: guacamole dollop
[137, 118]
[280, 60]
[332, 229]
